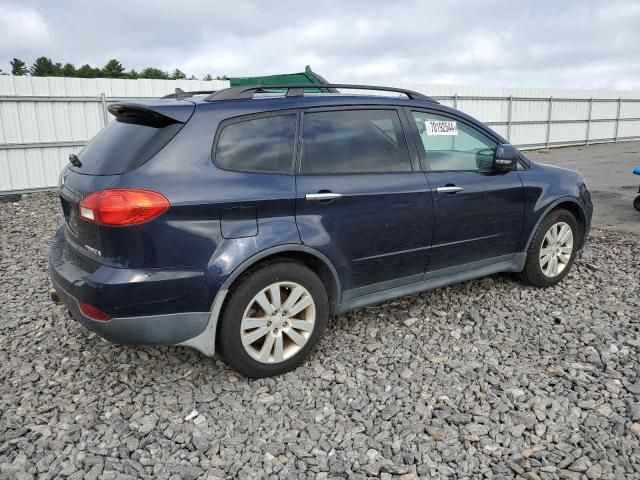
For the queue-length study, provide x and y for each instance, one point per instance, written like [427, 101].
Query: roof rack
[297, 90]
[179, 93]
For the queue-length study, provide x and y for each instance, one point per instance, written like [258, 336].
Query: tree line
[45, 67]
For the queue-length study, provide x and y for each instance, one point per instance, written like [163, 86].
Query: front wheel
[552, 250]
[273, 319]
[636, 203]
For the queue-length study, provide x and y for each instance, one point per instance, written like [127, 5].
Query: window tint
[354, 141]
[453, 145]
[259, 145]
[122, 146]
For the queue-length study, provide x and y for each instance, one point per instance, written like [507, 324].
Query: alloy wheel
[278, 322]
[556, 249]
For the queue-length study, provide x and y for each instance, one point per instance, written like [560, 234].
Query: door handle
[449, 189]
[320, 197]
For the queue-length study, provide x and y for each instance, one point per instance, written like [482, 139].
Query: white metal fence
[42, 120]
[542, 118]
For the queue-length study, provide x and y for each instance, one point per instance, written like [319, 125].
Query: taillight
[121, 207]
[94, 313]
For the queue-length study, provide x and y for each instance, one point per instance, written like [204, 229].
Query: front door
[359, 199]
[479, 212]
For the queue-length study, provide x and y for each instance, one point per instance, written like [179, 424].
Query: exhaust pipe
[55, 297]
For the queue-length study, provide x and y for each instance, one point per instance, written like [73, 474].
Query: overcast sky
[546, 43]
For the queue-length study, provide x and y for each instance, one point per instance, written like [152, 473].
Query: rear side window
[262, 145]
[353, 141]
[123, 146]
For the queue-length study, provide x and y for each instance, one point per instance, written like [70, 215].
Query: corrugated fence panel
[566, 110]
[530, 110]
[37, 134]
[603, 110]
[22, 168]
[630, 110]
[488, 110]
[602, 131]
[528, 134]
[566, 133]
[6, 183]
[9, 120]
[629, 129]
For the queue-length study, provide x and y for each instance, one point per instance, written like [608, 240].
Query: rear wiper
[74, 160]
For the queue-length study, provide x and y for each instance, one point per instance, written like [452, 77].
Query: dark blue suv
[240, 221]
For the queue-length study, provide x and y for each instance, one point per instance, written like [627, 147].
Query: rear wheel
[273, 319]
[636, 203]
[552, 250]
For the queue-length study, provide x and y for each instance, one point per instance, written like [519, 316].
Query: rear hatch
[138, 133]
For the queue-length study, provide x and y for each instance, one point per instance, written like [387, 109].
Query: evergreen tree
[178, 75]
[154, 73]
[44, 67]
[87, 71]
[18, 67]
[69, 70]
[113, 69]
[208, 77]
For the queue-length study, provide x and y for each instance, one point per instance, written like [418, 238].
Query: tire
[636, 203]
[536, 271]
[269, 348]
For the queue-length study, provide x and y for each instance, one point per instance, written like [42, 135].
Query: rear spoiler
[152, 114]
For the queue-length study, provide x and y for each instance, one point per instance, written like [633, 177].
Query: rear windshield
[123, 146]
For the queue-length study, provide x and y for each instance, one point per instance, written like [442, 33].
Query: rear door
[479, 212]
[361, 199]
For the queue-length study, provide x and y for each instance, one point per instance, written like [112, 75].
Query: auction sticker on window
[440, 127]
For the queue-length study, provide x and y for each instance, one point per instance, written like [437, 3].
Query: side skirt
[514, 264]
[205, 341]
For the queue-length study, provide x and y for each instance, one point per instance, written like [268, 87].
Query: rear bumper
[158, 307]
[169, 329]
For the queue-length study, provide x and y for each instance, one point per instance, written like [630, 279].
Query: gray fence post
[549, 121]
[455, 101]
[105, 116]
[509, 114]
[589, 120]
[615, 135]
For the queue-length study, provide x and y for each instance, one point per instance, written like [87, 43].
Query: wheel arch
[567, 203]
[206, 341]
[315, 260]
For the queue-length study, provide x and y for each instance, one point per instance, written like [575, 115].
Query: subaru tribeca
[241, 221]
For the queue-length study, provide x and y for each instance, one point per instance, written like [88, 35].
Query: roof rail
[297, 90]
[179, 93]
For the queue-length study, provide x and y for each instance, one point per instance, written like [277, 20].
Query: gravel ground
[487, 379]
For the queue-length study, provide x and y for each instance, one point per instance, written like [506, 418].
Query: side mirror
[506, 158]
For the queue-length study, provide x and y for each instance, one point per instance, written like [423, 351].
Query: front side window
[353, 141]
[262, 145]
[453, 145]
